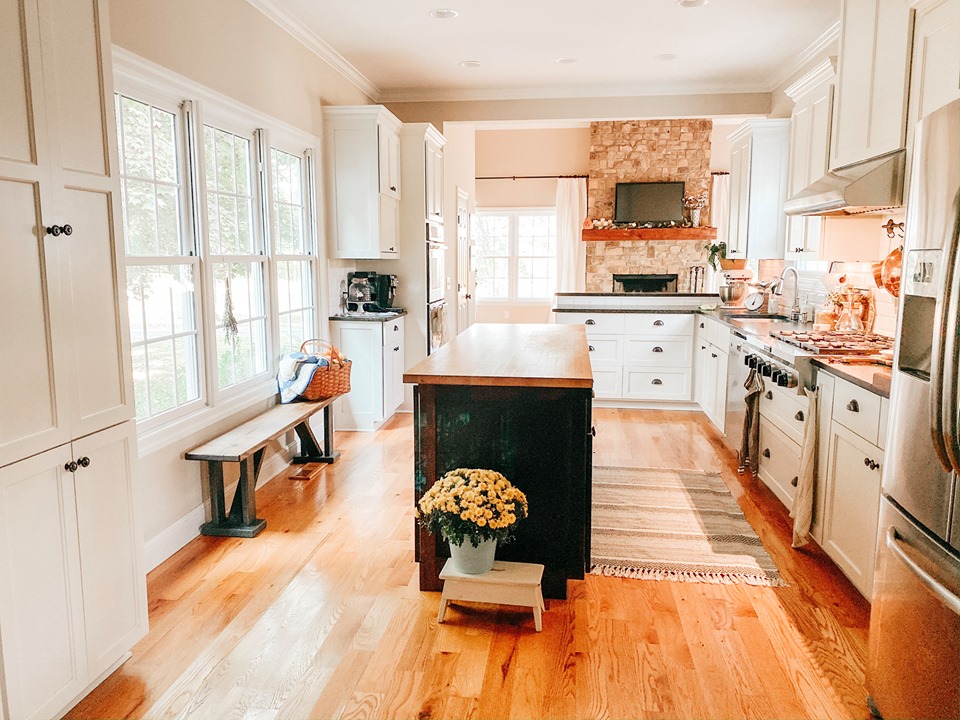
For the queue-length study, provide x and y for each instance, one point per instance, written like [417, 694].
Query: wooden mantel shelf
[676, 233]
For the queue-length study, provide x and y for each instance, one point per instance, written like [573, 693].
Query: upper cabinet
[759, 153]
[935, 70]
[433, 185]
[422, 152]
[68, 373]
[362, 181]
[870, 109]
[809, 152]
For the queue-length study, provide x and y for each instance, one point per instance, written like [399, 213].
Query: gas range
[832, 342]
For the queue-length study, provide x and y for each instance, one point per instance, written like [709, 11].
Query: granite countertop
[875, 378]
[368, 317]
[712, 295]
[663, 310]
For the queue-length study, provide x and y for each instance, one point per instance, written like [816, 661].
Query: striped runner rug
[681, 525]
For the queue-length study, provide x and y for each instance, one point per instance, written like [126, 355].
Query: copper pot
[890, 273]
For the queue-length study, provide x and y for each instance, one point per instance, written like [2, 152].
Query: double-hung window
[516, 254]
[221, 260]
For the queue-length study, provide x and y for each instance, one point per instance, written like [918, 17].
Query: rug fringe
[687, 576]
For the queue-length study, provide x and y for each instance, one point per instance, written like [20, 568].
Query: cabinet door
[33, 414]
[702, 367]
[111, 541]
[362, 407]
[41, 604]
[434, 182]
[719, 361]
[851, 505]
[936, 59]
[872, 91]
[739, 200]
[389, 227]
[389, 151]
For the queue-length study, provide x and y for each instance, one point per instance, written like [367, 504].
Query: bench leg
[310, 451]
[242, 521]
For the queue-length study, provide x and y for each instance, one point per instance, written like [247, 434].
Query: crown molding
[809, 54]
[823, 71]
[313, 42]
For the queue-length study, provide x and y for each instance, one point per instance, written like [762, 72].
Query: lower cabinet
[710, 360]
[376, 377]
[72, 585]
[779, 462]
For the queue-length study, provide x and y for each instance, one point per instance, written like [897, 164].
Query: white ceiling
[395, 51]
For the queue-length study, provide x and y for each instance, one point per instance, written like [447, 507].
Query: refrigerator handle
[931, 583]
[943, 358]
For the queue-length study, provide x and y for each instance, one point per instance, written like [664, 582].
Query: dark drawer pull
[853, 406]
[591, 348]
[393, 188]
[657, 381]
[83, 462]
[870, 463]
[799, 415]
[713, 355]
[658, 349]
[766, 452]
[589, 322]
[702, 326]
[768, 395]
[593, 432]
[795, 481]
[658, 323]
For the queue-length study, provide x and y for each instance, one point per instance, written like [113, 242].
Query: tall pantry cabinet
[72, 585]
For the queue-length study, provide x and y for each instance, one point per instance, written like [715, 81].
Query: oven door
[436, 254]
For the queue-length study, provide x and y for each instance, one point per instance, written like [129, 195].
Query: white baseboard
[645, 404]
[174, 537]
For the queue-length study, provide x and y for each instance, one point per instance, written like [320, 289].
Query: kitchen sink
[752, 316]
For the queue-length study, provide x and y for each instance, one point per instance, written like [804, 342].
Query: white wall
[231, 48]
[459, 171]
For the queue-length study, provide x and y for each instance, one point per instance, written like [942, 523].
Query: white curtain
[720, 205]
[571, 253]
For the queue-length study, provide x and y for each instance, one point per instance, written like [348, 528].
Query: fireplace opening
[645, 283]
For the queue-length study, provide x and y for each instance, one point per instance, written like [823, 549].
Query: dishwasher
[736, 409]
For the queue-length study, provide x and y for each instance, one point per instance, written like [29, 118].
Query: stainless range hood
[869, 186]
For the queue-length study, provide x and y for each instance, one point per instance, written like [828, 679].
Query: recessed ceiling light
[565, 61]
[443, 14]
[470, 64]
[692, 3]
[665, 57]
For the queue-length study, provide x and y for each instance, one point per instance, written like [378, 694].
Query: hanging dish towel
[750, 443]
[802, 508]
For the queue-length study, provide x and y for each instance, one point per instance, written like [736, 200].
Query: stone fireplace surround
[639, 151]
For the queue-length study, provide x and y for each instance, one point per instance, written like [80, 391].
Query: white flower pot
[473, 560]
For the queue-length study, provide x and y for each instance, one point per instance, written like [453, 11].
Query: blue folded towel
[295, 373]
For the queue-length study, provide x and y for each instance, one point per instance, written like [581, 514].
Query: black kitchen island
[516, 399]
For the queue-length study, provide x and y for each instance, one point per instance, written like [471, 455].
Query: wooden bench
[246, 445]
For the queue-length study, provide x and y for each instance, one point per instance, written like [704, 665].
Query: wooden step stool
[509, 583]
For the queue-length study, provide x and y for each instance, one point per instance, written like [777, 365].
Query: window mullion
[513, 263]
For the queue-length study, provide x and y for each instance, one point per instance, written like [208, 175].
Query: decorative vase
[473, 560]
[695, 217]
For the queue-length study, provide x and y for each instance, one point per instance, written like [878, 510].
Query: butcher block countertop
[509, 356]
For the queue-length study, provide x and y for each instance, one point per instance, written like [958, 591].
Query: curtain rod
[529, 177]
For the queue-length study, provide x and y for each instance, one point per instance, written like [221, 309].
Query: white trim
[810, 53]
[315, 44]
[175, 537]
[572, 92]
[823, 71]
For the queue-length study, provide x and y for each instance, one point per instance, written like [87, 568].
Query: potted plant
[472, 509]
[718, 251]
[695, 203]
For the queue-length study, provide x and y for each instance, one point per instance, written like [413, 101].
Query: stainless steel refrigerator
[913, 668]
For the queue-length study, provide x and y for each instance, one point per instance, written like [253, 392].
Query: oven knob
[775, 375]
[746, 360]
[753, 361]
[766, 370]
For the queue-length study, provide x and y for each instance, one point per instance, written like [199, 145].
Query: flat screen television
[653, 202]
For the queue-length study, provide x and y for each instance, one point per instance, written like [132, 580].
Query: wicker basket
[328, 380]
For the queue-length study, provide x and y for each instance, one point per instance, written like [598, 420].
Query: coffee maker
[369, 291]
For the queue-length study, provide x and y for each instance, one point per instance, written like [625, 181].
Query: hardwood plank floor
[321, 615]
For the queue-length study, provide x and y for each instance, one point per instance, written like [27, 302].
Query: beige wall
[233, 48]
[547, 151]
[459, 170]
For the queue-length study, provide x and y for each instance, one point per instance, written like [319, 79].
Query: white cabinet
[935, 69]
[852, 428]
[434, 177]
[782, 416]
[809, 153]
[362, 181]
[72, 590]
[870, 108]
[712, 355]
[65, 372]
[759, 156]
[72, 585]
[376, 377]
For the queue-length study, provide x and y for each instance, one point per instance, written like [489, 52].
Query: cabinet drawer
[659, 324]
[660, 353]
[393, 333]
[604, 349]
[786, 410]
[779, 462]
[596, 323]
[857, 409]
[656, 384]
[606, 382]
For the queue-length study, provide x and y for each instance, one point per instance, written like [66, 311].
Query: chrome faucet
[778, 289]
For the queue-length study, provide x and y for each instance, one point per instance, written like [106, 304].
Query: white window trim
[150, 82]
[513, 257]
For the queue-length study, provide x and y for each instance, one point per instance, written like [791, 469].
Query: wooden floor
[320, 616]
